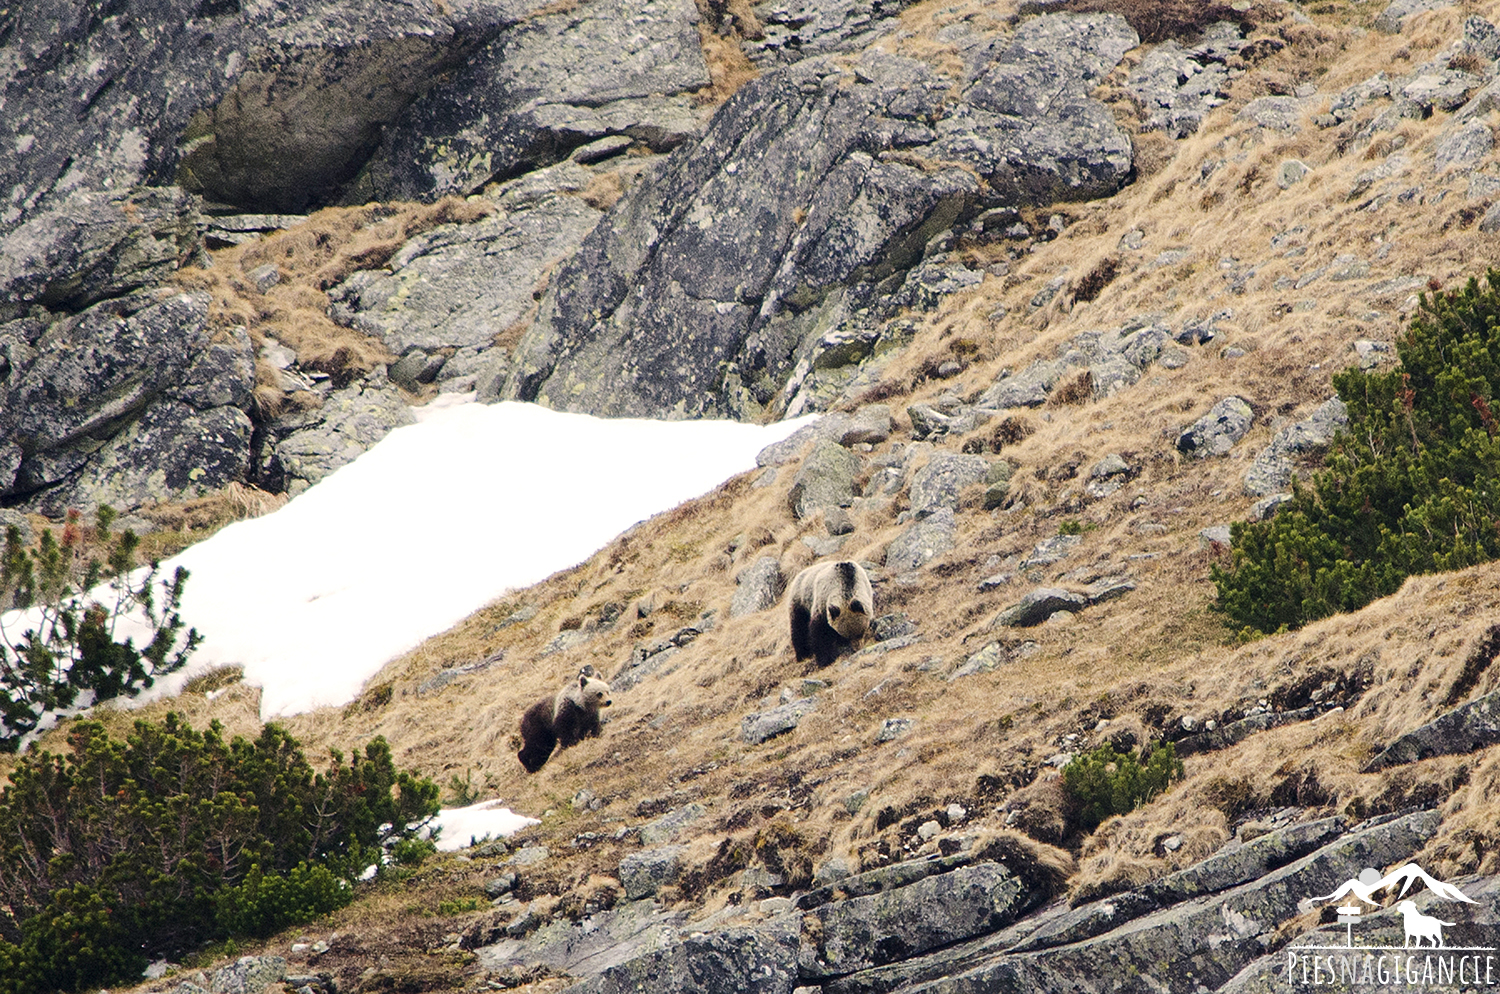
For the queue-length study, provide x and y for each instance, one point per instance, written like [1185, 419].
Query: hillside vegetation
[1297, 281]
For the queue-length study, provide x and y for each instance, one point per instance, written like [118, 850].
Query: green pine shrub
[123, 851]
[1411, 486]
[1103, 782]
[70, 654]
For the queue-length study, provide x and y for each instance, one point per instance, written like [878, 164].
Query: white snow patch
[457, 828]
[437, 520]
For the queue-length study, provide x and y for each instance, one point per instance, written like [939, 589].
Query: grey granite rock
[1462, 730]
[93, 246]
[1271, 472]
[1039, 605]
[922, 541]
[1393, 19]
[757, 587]
[757, 727]
[938, 484]
[825, 479]
[716, 283]
[460, 285]
[267, 106]
[870, 931]
[350, 421]
[644, 873]
[792, 30]
[540, 89]
[132, 401]
[1463, 147]
[1216, 432]
[759, 960]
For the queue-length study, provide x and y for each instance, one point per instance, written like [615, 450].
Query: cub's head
[593, 692]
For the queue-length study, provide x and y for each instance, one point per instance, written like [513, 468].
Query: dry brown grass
[311, 257]
[728, 66]
[604, 192]
[181, 523]
[1140, 663]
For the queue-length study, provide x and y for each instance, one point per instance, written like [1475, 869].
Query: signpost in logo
[1436, 963]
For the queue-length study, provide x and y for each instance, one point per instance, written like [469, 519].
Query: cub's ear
[583, 679]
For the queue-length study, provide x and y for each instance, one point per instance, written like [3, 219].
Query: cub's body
[563, 720]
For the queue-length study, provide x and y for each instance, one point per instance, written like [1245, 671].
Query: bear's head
[851, 621]
[593, 693]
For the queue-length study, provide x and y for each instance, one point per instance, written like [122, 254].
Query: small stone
[1290, 173]
[837, 521]
[265, 277]
[928, 830]
[775, 905]
[501, 885]
[892, 728]
[1172, 843]
[956, 813]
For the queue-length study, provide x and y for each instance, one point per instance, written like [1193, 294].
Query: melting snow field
[437, 520]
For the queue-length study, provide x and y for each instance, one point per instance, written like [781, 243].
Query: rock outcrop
[268, 106]
[553, 83]
[978, 921]
[716, 283]
[129, 401]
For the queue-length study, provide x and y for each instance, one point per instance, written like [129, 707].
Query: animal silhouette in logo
[1420, 926]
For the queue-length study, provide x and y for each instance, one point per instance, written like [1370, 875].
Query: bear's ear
[583, 679]
[588, 670]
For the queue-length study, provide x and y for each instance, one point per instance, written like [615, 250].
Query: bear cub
[832, 604]
[564, 720]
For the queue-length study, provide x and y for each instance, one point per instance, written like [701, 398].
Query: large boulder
[144, 374]
[460, 285]
[817, 179]
[95, 245]
[938, 484]
[1216, 432]
[553, 83]
[825, 480]
[269, 106]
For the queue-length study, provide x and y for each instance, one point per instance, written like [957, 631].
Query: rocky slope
[1073, 300]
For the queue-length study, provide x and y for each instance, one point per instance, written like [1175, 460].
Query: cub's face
[850, 622]
[595, 692]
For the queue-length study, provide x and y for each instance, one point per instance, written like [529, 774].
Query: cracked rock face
[543, 88]
[815, 182]
[128, 402]
[267, 105]
[458, 285]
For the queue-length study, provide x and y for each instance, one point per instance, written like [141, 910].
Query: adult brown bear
[831, 608]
